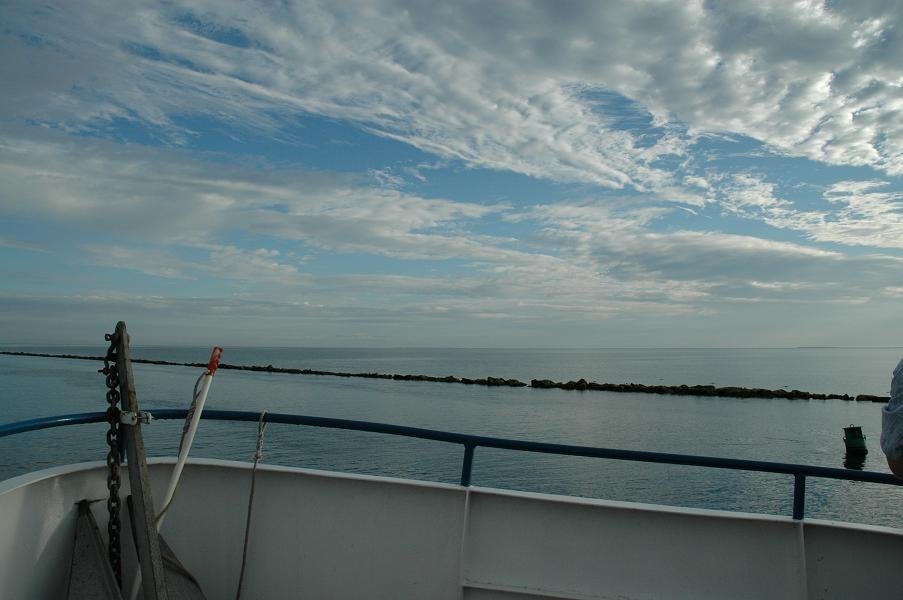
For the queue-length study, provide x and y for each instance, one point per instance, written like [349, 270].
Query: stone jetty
[581, 385]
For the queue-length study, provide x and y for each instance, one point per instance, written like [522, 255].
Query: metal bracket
[129, 418]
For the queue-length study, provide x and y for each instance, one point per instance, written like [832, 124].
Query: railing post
[468, 464]
[799, 496]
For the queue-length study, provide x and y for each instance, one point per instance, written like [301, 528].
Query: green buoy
[854, 439]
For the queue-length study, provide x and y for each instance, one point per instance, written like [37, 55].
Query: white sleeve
[892, 418]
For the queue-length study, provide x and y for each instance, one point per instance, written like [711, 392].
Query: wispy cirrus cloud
[621, 242]
[150, 196]
[17, 244]
[616, 124]
[501, 87]
[221, 261]
[855, 213]
[174, 216]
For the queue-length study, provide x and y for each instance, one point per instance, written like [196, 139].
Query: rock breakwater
[579, 385]
[698, 390]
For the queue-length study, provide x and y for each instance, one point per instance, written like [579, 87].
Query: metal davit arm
[147, 542]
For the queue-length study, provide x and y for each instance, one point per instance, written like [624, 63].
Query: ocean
[798, 431]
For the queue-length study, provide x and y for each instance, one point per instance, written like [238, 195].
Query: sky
[464, 174]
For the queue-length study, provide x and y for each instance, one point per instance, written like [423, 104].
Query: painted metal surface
[180, 583]
[592, 550]
[325, 535]
[90, 574]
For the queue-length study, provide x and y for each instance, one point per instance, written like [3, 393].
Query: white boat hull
[318, 534]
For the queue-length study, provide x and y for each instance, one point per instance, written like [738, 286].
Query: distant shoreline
[581, 385]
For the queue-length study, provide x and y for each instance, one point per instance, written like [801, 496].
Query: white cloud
[708, 266]
[855, 213]
[149, 261]
[610, 95]
[17, 244]
[220, 261]
[506, 87]
[170, 214]
[151, 196]
[174, 215]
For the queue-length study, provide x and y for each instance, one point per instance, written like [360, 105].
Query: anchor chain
[114, 526]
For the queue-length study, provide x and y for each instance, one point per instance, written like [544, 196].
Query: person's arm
[892, 424]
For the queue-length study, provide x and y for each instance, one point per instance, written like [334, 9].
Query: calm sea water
[780, 430]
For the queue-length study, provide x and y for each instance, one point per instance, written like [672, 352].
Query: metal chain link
[113, 456]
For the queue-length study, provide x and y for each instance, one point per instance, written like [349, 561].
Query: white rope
[261, 430]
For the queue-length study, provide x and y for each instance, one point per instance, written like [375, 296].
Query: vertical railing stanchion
[467, 466]
[799, 496]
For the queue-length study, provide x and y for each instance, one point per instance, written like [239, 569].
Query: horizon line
[400, 347]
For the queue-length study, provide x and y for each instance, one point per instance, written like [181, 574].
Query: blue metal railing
[471, 442]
